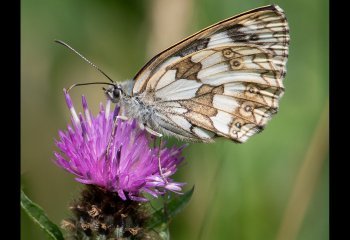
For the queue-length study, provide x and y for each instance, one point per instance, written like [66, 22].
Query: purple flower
[130, 167]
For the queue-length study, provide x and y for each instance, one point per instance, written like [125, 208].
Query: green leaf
[37, 214]
[174, 206]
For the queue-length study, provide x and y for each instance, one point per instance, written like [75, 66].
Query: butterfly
[224, 81]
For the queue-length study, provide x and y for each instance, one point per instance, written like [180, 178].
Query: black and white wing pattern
[225, 80]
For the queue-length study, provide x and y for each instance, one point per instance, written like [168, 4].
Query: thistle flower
[99, 214]
[122, 162]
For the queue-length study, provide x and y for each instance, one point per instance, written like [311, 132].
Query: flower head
[122, 162]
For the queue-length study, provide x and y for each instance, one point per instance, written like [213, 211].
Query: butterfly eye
[116, 93]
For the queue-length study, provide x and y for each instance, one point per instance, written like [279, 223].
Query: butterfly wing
[225, 80]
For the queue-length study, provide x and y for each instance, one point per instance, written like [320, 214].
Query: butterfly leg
[152, 132]
[157, 134]
[159, 164]
[124, 118]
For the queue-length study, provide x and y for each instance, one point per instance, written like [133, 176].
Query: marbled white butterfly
[223, 81]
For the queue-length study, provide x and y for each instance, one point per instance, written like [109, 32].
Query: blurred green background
[275, 186]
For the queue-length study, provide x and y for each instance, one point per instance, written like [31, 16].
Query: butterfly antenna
[83, 84]
[86, 60]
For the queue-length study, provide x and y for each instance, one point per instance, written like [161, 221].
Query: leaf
[37, 214]
[176, 205]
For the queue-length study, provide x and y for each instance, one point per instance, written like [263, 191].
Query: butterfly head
[114, 93]
[118, 91]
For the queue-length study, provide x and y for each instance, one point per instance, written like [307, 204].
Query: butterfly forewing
[225, 80]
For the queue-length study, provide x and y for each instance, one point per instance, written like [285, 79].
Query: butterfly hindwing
[225, 80]
[235, 104]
